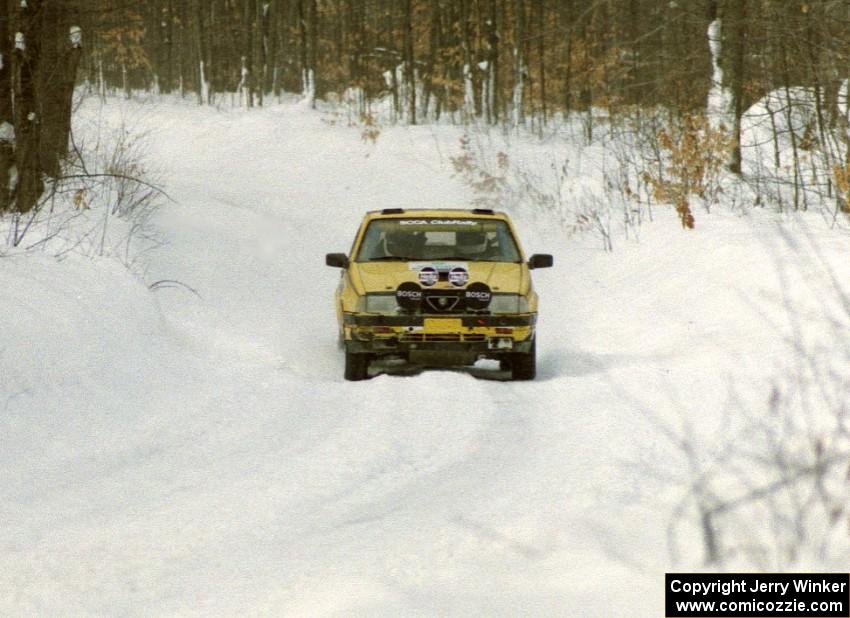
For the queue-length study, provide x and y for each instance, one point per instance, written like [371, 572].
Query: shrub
[694, 153]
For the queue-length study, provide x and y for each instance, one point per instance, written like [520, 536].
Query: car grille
[442, 337]
[443, 301]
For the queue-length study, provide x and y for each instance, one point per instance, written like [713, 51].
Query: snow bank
[198, 453]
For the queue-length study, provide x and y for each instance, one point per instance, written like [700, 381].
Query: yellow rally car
[437, 288]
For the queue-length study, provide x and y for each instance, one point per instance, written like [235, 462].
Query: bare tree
[735, 15]
[7, 130]
[409, 62]
[25, 64]
[519, 63]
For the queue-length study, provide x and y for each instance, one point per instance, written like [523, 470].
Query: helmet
[403, 243]
[471, 242]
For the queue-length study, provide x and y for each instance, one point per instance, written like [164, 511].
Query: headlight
[508, 303]
[381, 303]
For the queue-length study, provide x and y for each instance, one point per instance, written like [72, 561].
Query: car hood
[504, 277]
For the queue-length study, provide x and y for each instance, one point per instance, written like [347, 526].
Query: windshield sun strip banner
[465, 222]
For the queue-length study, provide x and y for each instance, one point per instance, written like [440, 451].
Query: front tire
[524, 364]
[356, 366]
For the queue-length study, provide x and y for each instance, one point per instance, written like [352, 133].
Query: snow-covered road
[180, 454]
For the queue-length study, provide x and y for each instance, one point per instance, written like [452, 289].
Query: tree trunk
[541, 52]
[467, 71]
[519, 62]
[737, 48]
[25, 64]
[812, 50]
[7, 130]
[259, 49]
[273, 27]
[167, 82]
[60, 56]
[248, 79]
[567, 23]
[789, 120]
[303, 53]
[47, 76]
[433, 49]
[409, 68]
[313, 22]
[493, 64]
[204, 63]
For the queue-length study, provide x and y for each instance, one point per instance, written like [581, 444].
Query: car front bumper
[458, 339]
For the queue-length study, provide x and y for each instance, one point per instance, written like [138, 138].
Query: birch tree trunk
[313, 23]
[246, 85]
[204, 66]
[519, 63]
[719, 104]
[737, 15]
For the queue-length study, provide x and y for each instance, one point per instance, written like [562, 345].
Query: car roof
[457, 213]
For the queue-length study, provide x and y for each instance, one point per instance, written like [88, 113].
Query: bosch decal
[408, 296]
[477, 296]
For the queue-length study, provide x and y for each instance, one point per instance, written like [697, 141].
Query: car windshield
[431, 238]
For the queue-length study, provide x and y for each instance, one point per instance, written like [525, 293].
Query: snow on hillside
[171, 452]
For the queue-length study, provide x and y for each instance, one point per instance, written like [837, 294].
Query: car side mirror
[337, 260]
[540, 260]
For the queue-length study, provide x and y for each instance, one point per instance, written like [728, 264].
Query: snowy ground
[171, 453]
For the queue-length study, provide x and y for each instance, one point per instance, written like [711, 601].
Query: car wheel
[524, 364]
[356, 366]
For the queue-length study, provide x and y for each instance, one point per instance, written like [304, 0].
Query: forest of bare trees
[40, 49]
[518, 62]
[497, 59]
